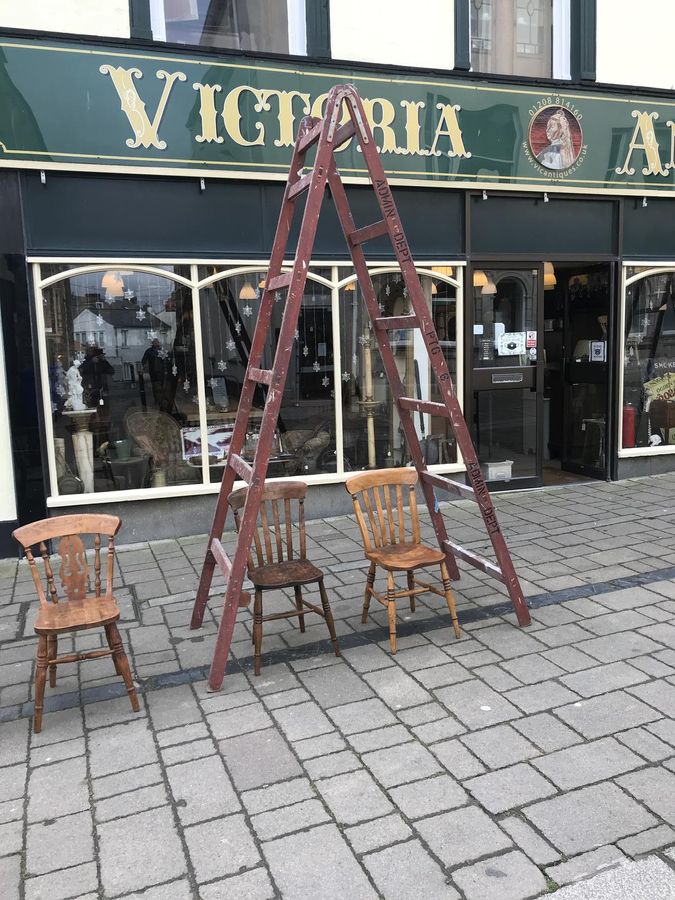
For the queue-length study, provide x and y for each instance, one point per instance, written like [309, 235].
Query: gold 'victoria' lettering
[146, 133]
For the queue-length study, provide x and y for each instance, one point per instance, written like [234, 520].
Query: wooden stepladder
[344, 119]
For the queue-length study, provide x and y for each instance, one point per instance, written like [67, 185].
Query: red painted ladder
[343, 106]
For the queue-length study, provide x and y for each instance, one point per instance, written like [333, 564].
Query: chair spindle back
[273, 539]
[73, 571]
[380, 505]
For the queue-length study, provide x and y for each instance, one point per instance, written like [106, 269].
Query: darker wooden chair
[81, 608]
[284, 568]
[380, 507]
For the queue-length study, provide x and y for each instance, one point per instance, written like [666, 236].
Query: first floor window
[648, 415]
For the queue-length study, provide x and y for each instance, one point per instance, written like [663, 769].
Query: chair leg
[52, 644]
[391, 610]
[109, 639]
[370, 581]
[257, 630]
[299, 605]
[328, 614]
[450, 598]
[122, 665]
[411, 587]
[40, 681]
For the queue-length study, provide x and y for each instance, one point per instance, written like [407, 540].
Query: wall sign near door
[512, 343]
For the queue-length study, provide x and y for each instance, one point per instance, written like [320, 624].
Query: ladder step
[343, 134]
[367, 233]
[279, 281]
[478, 562]
[395, 322]
[241, 467]
[423, 406]
[261, 376]
[299, 186]
[221, 558]
[310, 138]
[447, 484]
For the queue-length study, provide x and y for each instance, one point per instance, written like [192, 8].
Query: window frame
[226, 268]
[650, 268]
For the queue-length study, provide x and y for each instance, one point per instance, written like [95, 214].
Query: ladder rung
[368, 232]
[310, 138]
[262, 376]
[447, 484]
[423, 406]
[396, 322]
[221, 558]
[241, 467]
[476, 561]
[279, 281]
[299, 186]
[344, 133]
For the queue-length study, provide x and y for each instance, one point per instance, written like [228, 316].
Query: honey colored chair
[81, 607]
[380, 504]
[287, 567]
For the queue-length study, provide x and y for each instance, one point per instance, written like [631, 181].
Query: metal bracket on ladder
[329, 136]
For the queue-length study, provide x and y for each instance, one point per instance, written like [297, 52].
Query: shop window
[372, 433]
[305, 440]
[120, 349]
[648, 419]
[520, 37]
[256, 25]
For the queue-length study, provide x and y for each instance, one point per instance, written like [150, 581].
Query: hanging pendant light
[489, 287]
[112, 284]
[247, 291]
[479, 278]
[434, 289]
[550, 280]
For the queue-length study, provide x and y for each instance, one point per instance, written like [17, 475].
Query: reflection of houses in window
[121, 334]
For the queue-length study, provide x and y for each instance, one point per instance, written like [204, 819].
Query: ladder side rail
[285, 345]
[443, 378]
[365, 282]
[249, 387]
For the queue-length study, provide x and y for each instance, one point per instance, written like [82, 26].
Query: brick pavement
[497, 766]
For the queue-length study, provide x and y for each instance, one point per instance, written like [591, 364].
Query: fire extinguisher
[628, 426]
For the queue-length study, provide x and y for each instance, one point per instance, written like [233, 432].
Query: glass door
[505, 373]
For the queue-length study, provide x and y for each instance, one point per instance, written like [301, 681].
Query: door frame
[484, 263]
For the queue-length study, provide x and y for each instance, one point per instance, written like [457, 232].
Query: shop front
[143, 215]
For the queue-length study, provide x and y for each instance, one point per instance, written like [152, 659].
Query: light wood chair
[380, 506]
[288, 567]
[81, 608]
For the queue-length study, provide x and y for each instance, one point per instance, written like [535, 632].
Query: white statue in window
[74, 387]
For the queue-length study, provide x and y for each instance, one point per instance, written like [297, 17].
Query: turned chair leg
[328, 615]
[370, 581]
[257, 630]
[122, 665]
[109, 639]
[40, 681]
[52, 645]
[391, 610]
[450, 598]
[299, 606]
[411, 587]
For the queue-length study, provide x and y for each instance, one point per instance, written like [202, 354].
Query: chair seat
[65, 616]
[285, 574]
[403, 557]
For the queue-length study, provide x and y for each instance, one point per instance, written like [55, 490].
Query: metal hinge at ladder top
[327, 136]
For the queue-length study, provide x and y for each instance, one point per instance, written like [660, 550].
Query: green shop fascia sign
[65, 105]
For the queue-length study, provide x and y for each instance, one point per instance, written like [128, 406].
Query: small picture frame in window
[598, 351]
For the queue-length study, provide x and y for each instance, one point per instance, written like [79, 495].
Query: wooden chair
[380, 509]
[270, 571]
[81, 609]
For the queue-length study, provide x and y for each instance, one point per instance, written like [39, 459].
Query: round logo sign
[555, 138]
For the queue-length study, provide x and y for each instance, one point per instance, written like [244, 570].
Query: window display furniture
[380, 507]
[81, 608]
[277, 564]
